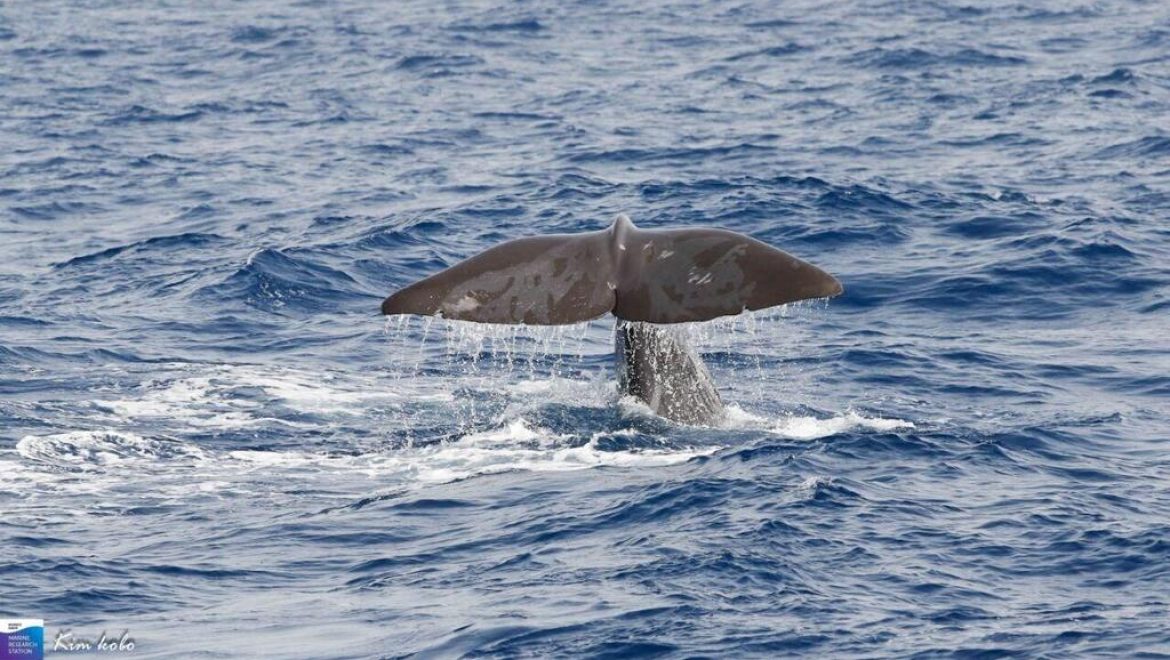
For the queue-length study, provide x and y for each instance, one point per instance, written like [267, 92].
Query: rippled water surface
[209, 437]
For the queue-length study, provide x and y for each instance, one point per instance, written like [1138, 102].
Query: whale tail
[654, 276]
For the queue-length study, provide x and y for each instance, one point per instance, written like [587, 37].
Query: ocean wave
[1153, 146]
[275, 281]
[156, 244]
[918, 58]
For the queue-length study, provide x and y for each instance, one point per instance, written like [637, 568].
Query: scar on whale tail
[644, 277]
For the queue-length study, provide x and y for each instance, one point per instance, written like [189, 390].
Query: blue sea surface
[211, 439]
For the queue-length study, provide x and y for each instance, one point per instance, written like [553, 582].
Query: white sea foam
[319, 393]
[103, 448]
[802, 427]
[514, 445]
[812, 483]
[174, 469]
[517, 445]
[234, 396]
[240, 398]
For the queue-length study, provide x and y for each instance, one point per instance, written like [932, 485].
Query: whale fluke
[654, 276]
[645, 277]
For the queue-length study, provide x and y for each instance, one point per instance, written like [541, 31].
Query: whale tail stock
[654, 276]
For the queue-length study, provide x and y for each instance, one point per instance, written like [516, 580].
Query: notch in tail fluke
[656, 276]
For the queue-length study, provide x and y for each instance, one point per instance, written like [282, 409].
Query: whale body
[648, 279]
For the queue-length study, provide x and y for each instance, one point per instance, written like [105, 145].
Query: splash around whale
[647, 279]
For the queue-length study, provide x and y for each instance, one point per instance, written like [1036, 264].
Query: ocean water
[209, 437]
